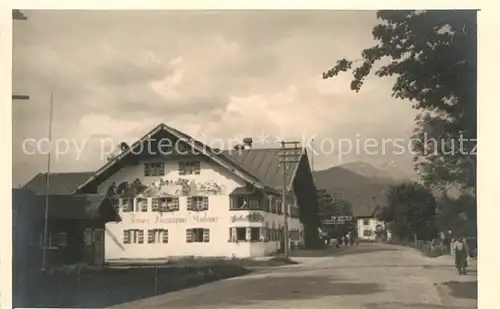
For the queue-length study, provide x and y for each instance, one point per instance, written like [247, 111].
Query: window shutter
[151, 236]
[233, 234]
[146, 169]
[205, 203]
[164, 236]
[140, 237]
[206, 235]
[189, 235]
[155, 204]
[163, 204]
[189, 203]
[126, 236]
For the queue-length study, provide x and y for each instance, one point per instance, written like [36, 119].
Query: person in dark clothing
[460, 250]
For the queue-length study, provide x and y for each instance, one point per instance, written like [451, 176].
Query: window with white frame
[189, 168]
[154, 169]
[198, 235]
[237, 234]
[142, 204]
[157, 236]
[197, 203]
[254, 203]
[127, 204]
[255, 234]
[239, 202]
[279, 208]
[133, 236]
[366, 222]
[168, 204]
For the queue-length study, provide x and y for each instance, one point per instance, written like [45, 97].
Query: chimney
[247, 142]
[239, 147]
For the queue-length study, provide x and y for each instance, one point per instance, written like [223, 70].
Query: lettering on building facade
[251, 217]
[173, 220]
[204, 219]
[159, 219]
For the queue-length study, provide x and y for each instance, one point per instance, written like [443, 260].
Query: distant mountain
[362, 185]
[383, 172]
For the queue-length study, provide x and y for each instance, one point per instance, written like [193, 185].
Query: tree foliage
[458, 215]
[433, 54]
[410, 212]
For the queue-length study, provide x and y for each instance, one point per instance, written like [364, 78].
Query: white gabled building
[190, 200]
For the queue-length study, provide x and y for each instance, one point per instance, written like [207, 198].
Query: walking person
[345, 239]
[461, 253]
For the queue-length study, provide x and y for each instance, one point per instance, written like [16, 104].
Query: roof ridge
[59, 173]
[218, 157]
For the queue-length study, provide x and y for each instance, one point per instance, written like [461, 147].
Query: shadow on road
[276, 289]
[463, 289]
[371, 266]
[360, 249]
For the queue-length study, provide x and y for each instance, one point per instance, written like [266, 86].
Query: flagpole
[47, 184]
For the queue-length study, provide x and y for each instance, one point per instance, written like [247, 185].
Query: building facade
[191, 207]
[371, 229]
[191, 200]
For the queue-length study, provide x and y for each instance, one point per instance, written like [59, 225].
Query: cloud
[219, 74]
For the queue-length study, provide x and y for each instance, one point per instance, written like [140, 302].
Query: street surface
[368, 276]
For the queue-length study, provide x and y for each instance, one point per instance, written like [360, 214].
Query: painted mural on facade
[251, 217]
[166, 188]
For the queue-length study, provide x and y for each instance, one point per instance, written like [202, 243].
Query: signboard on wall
[172, 220]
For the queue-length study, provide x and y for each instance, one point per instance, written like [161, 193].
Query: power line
[18, 15]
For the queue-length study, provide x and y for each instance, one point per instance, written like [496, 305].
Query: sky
[218, 76]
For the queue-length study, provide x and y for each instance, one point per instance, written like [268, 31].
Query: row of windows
[266, 204]
[198, 203]
[161, 204]
[184, 167]
[136, 236]
[261, 234]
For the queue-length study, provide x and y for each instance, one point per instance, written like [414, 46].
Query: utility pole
[288, 155]
[47, 185]
[18, 15]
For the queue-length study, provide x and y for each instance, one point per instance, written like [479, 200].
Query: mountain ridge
[363, 185]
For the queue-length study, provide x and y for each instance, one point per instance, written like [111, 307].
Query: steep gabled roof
[224, 161]
[265, 164]
[59, 183]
